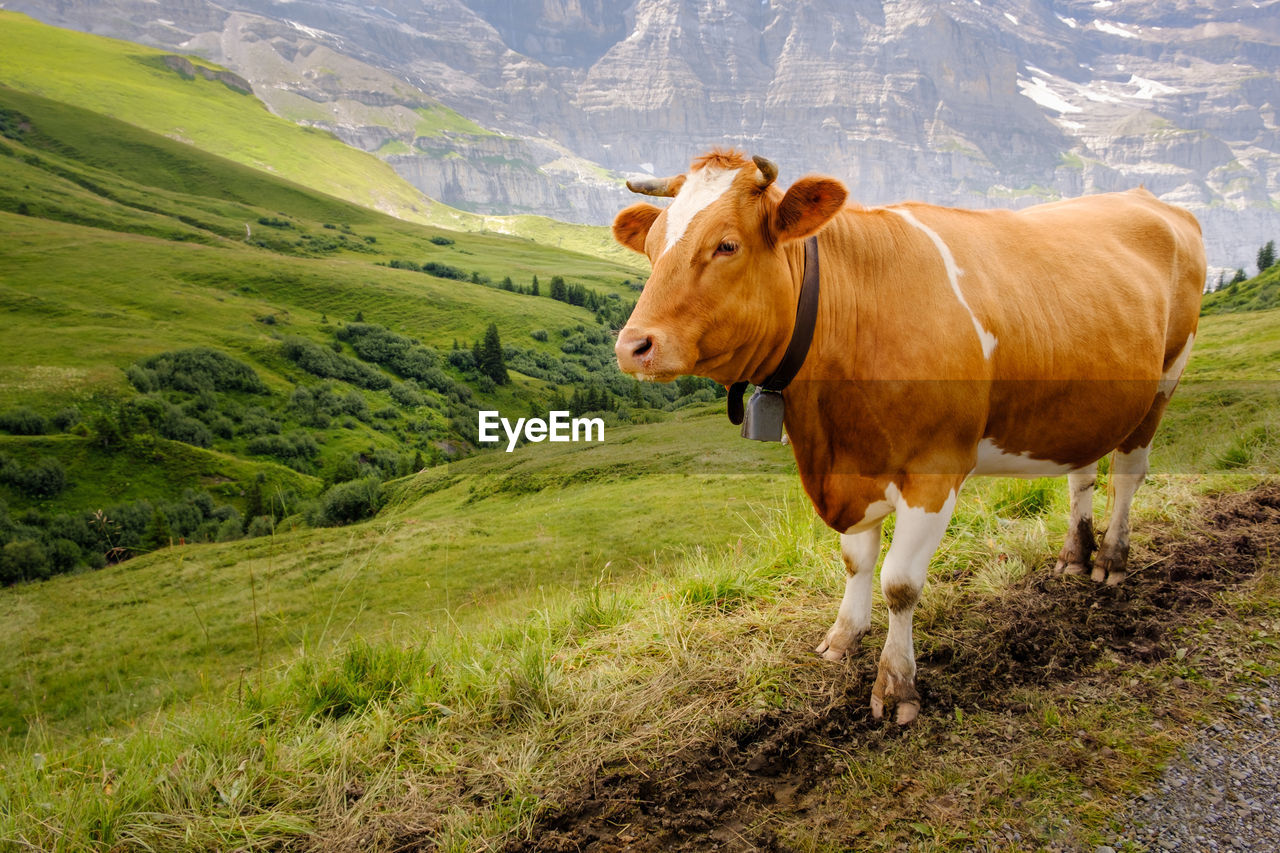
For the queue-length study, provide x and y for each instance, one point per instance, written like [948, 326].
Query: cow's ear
[631, 226]
[807, 206]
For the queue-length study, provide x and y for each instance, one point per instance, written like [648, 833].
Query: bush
[443, 271]
[195, 370]
[324, 362]
[25, 559]
[65, 419]
[187, 430]
[23, 421]
[407, 394]
[262, 525]
[44, 479]
[229, 530]
[348, 502]
[441, 241]
[293, 446]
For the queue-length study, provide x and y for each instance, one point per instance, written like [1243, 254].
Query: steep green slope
[1256, 294]
[133, 83]
[153, 90]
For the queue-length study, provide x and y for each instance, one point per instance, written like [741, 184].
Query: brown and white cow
[948, 344]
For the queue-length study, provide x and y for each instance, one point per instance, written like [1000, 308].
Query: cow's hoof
[894, 690]
[1065, 568]
[1111, 569]
[838, 642]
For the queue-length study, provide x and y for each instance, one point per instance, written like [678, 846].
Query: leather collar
[801, 336]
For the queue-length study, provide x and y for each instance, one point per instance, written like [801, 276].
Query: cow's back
[1090, 303]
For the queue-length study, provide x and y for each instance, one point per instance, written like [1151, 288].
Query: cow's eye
[728, 247]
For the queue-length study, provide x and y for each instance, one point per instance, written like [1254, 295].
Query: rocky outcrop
[189, 69]
[971, 102]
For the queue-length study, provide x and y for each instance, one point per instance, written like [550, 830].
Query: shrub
[65, 419]
[293, 446]
[348, 502]
[440, 270]
[23, 421]
[25, 559]
[323, 362]
[262, 525]
[441, 241]
[407, 394]
[44, 479]
[195, 370]
[187, 430]
[229, 530]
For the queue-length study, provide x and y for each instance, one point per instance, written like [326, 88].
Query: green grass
[487, 719]
[437, 120]
[459, 545]
[142, 471]
[126, 80]
[1225, 411]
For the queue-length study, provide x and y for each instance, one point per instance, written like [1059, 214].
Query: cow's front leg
[860, 552]
[1077, 551]
[917, 533]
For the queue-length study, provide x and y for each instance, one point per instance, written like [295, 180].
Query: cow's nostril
[643, 347]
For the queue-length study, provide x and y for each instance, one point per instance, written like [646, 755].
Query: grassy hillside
[1256, 294]
[119, 245]
[134, 84]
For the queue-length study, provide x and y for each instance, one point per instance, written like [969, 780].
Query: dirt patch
[1046, 629]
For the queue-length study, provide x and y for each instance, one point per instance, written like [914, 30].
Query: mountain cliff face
[971, 102]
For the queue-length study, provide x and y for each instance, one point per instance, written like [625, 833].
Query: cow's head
[722, 297]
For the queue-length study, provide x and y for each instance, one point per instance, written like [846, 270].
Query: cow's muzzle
[635, 350]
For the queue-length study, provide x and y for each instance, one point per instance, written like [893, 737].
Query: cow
[947, 344]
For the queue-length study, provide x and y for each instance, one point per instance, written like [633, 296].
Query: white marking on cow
[1128, 470]
[994, 462]
[1169, 379]
[861, 551]
[700, 190]
[1080, 482]
[954, 272]
[916, 536]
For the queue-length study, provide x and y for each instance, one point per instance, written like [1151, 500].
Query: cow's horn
[768, 170]
[665, 187]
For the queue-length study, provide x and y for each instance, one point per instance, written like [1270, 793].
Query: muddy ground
[1044, 631]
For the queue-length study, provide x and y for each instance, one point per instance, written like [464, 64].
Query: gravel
[1223, 793]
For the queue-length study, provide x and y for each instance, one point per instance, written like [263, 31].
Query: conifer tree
[491, 362]
[1267, 257]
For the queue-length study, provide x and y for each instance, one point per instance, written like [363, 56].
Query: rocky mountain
[543, 106]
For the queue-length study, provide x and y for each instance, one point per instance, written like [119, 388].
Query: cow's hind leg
[917, 533]
[1128, 470]
[1078, 550]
